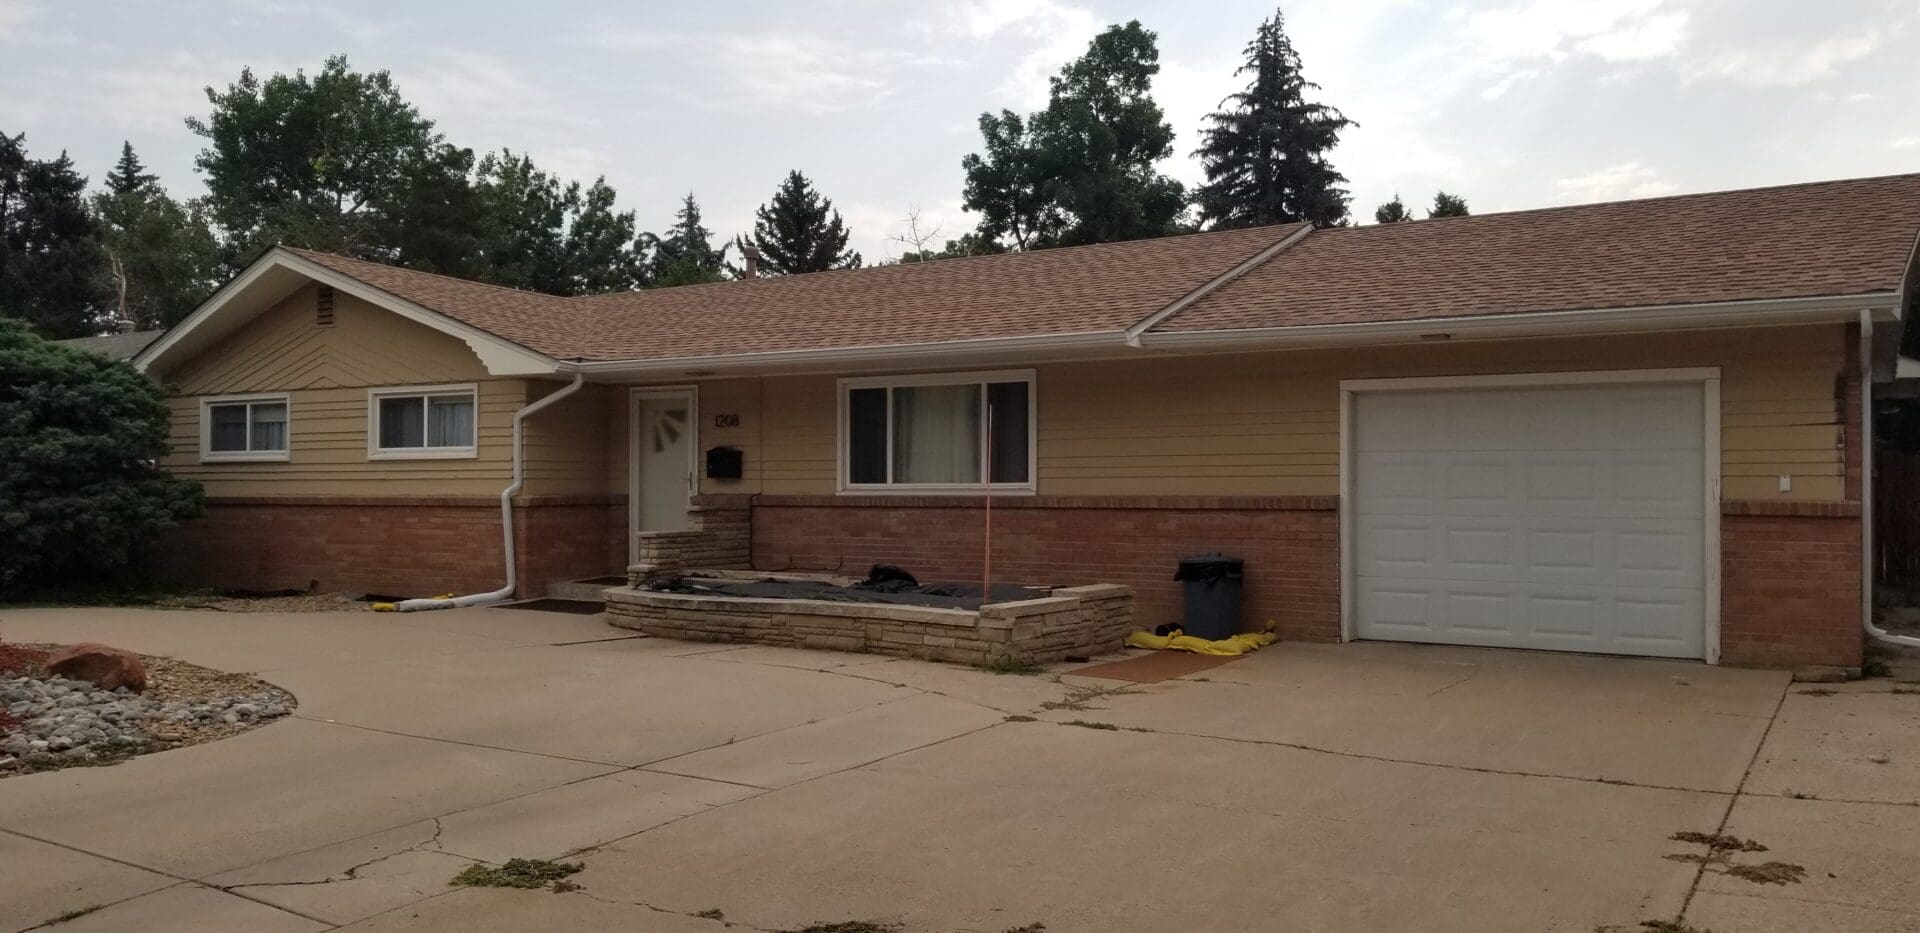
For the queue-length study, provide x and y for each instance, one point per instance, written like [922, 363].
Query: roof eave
[1836, 308]
[949, 352]
[500, 356]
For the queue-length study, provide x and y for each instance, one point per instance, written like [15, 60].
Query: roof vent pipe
[1867, 561]
[506, 512]
[750, 255]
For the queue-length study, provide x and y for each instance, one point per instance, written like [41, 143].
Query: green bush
[81, 496]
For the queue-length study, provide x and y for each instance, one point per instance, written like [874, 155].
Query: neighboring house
[1630, 428]
[120, 346]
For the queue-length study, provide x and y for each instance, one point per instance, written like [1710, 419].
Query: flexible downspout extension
[506, 512]
[1866, 490]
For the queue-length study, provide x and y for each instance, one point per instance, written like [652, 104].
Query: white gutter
[878, 352]
[1765, 311]
[1181, 304]
[1866, 490]
[506, 512]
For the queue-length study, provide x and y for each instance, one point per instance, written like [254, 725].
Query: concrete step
[590, 589]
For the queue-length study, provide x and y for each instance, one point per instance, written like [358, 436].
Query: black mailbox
[725, 463]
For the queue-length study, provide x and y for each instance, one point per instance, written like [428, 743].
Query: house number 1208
[726, 421]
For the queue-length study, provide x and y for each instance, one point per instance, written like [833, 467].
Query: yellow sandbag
[1238, 644]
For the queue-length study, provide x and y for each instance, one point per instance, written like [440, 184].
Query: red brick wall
[1291, 546]
[403, 546]
[1790, 585]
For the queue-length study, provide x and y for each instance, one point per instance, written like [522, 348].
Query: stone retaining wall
[1077, 621]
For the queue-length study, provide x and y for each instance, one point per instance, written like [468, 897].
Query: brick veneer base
[397, 546]
[1790, 589]
[1291, 546]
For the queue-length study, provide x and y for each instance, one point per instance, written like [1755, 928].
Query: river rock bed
[52, 722]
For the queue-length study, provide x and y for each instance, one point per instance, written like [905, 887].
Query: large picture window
[422, 423]
[947, 432]
[243, 427]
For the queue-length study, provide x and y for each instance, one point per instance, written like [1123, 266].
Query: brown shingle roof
[1823, 239]
[1078, 290]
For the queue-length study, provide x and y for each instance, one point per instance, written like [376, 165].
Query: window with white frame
[243, 427]
[952, 431]
[436, 421]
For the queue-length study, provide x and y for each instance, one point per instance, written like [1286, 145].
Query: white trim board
[1707, 377]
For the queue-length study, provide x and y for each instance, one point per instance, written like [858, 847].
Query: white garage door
[1559, 518]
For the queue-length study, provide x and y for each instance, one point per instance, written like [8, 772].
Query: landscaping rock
[74, 722]
[99, 665]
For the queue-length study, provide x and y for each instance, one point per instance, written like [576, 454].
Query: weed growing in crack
[1719, 857]
[1012, 664]
[1080, 699]
[1019, 718]
[530, 873]
[711, 913]
[74, 914]
[1817, 692]
[1109, 727]
[1034, 927]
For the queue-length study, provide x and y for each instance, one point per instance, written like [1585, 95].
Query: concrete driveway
[1308, 787]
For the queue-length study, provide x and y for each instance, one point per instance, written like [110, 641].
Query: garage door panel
[1560, 518]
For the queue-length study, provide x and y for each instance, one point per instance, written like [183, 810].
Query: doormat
[1155, 666]
[579, 607]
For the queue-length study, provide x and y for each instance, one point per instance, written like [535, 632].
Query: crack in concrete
[1726, 816]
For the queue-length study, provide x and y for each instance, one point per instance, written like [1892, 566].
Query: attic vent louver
[323, 307]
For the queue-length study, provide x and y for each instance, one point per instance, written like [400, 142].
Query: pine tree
[1392, 212]
[799, 231]
[161, 256]
[1447, 205]
[1265, 151]
[50, 255]
[128, 174]
[685, 256]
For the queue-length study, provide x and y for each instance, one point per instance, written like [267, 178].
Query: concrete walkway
[1309, 787]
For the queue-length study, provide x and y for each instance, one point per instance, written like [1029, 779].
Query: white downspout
[1866, 489]
[506, 512]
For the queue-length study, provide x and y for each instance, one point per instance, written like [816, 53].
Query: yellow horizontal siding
[1269, 423]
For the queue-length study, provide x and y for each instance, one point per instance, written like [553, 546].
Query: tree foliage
[799, 231]
[1265, 150]
[1392, 212]
[80, 496]
[1447, 205]
[323, 162]
[51, 261]
[161, 256]
[685, 255]
[1083, 170]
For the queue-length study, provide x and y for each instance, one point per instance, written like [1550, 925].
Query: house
[123, 345]
[1627, 428]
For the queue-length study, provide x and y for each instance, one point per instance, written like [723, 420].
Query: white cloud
[1786, 64]
[1625, 180]
[15, 14]
[1906, 142]
[775, 71]
[1051, 32]
[1613, 30]
[1501, 87]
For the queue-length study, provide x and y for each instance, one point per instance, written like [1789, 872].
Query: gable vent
[323, 307]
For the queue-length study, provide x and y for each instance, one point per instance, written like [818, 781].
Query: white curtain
[450, 421]
[936, 434]
[269, 427]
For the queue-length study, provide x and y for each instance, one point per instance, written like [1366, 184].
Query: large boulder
[105, 667]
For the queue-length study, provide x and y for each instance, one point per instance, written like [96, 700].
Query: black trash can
[1212, 595]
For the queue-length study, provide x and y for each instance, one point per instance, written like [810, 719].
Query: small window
[422, 423]
[938, 433]
[249, 427]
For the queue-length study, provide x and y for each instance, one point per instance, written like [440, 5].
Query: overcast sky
[1511, 103]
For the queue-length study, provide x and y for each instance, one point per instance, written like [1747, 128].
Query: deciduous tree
[161, 256]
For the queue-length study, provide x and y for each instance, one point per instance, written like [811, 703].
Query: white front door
[1569, 519]
[663, 449]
